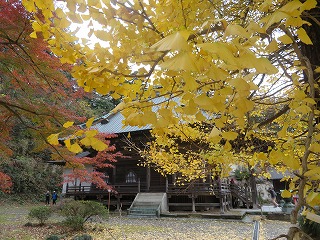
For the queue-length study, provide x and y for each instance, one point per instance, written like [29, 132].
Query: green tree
[30, 176]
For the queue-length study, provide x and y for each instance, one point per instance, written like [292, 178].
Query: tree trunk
[253, 186]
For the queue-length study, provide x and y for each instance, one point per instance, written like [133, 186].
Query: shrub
[79, 212]
[53, 237]
[42, 214]
[74, 222]
[83, 237]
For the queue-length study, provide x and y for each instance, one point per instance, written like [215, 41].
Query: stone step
[142, 211]
[142, 216]
[146, 204]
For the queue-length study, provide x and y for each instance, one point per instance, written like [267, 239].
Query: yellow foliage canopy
[237, 70]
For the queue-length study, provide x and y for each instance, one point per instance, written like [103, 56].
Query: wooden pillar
[114, 173]
[193, 203]
[118, 202]
[221, 205]
[139, 187]
[221, 196]
[247, 195]
[148, 177]
[167, 184]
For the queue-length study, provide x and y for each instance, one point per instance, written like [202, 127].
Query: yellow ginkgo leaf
[261, 156]
[86, 141]
[91, 133]
[275, 18]
[214, 132]
[315, 147]
[102, 35]
[67, 143]
[309, 4]
[176, 41]
[36, 26]
[285, 39]
[273, 46]
[313, 198]
[68, 124]
[182, 61]
[53, 139]
[303, 36]
[119, 107]
[230, 135]
[292, 162]
[89, 122]
[236, 30]
[75, 148]
[33, 35]
[314, 171]
[227, 147]
[98, 145]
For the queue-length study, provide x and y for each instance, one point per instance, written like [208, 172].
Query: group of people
[54, 198]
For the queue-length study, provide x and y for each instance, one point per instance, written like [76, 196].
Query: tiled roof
[113, 122]
[278, 175]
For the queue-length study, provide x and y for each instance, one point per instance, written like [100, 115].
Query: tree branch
[278, 114]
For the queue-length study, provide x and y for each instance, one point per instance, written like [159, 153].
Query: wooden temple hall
[143, 191]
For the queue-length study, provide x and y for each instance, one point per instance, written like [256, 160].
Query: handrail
[198, 188]
[120, 187]
[158, 211]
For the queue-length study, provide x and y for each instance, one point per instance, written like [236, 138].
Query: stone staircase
[148, 205]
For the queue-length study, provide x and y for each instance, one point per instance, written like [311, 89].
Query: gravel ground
[124, 228]
[271, 229]
[181, 228]
[187, 229]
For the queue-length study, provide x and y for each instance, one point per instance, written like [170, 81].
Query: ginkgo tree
[241, 71]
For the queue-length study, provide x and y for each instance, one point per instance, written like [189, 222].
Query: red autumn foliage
[101, 160]
[36, 94]
[5, 183]
[34, 91]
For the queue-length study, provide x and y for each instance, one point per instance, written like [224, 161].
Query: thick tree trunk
[312, 52]
[253, 189]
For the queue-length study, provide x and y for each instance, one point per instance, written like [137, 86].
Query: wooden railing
[196, 188]
[243, 193]
[117, 188]
[219, 189]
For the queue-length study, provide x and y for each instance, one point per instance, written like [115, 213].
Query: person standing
[54, 197]
[273, 195]
[47, 198]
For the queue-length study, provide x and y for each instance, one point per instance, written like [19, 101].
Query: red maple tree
[34, 89]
